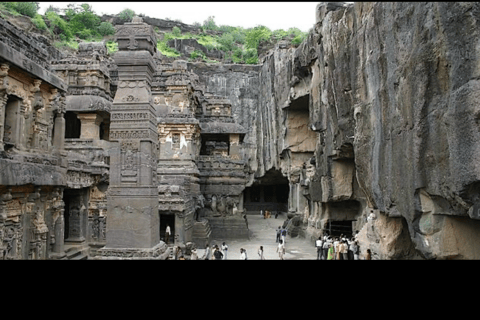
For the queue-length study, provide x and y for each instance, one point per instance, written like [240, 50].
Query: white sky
[274, 15]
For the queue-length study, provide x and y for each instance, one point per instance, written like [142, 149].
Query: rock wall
[392, 97]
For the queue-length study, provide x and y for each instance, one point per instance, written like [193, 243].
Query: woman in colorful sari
[330, 252]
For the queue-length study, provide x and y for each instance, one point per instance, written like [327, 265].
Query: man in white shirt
[167, 234]
[319, 245]
[281, 250]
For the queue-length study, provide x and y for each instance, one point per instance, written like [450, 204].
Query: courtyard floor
[262, 233]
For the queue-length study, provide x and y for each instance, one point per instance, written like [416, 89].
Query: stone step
[76, 253]
[201, 233]
[229, 227]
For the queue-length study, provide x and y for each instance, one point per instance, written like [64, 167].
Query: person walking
[224, 250]
[218, 254]
[281, 250]
[279, 230]
[326, 246]
[284, 234]
[206, 254]
[260, 253]
[243, 254]
[355, 250]
[319, 246]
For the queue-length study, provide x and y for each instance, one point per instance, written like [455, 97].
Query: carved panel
[132, 134]
[129, 161]
[11, 237]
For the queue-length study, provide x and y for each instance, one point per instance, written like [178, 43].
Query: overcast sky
[274, 15]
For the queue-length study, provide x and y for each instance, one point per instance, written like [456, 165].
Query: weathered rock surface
[392, 90]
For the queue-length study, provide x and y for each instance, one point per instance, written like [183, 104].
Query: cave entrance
[338, 228]
[342, 214]
[270, 192]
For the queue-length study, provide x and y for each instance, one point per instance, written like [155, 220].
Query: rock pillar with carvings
[132, 230]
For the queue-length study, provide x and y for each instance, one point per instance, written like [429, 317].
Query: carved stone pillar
[3, 103]
[77, 214]
[3, 98]
[59, 131]
[59, 125]
[90, 125]
[234, 150]
[240, 207]
[58, 238]
[132, 197]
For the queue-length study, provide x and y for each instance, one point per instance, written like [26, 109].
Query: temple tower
[179, 133]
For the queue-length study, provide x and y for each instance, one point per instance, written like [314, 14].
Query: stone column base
[159, 252]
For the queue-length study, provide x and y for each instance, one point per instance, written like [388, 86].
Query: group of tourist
[214, 253]
[339, 248]
[328, 248]
[281, 234]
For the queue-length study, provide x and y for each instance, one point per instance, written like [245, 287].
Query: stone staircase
[76, 253]
[201, 233]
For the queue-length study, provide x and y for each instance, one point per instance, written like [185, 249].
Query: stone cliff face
[375, 119]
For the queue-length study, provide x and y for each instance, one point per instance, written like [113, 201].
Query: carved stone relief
[129, 161]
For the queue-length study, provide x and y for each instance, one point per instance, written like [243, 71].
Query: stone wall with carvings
[51, 188]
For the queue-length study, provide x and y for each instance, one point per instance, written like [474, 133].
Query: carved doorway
[269, 192]
[11, 124]
[75, 215]
[72, 125]
[167, 219]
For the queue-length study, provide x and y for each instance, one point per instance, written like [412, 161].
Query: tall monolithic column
[132, 197]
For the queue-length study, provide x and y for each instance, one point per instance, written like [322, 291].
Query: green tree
[112, 47]
[39, 22]
[126, 15]
[227, 42]
[298, 39]
[106, 29]
[176, 31]
[279, 34]
[255, 35]
[57, 21]
[238, 35]
[27, 8]
[209, 24]
[250, 56]
[82, 20]
[52, 8]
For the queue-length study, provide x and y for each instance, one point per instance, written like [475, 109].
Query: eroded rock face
[393, 91]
